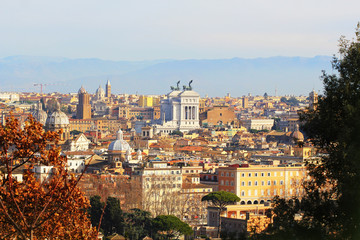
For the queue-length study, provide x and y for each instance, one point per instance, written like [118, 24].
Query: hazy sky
[177, 29]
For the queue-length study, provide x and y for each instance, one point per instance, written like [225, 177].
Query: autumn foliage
[32, 209]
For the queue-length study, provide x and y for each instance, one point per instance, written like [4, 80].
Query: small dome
[82, 90]
[297, 134]
[57, 118]
[119, 144]
[100, 90]
[40, 116]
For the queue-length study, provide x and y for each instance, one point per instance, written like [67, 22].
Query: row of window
[274, 183]
[164, 179]
[256, 183]
[163, 186]
[268, 192]
[227, 174]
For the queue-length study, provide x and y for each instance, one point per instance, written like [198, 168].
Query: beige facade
[260, 183]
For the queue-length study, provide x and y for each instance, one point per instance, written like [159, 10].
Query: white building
[9, 96]
[179, 111]
[42, 172]
[81, 143]
[76, 165]
[258, 124]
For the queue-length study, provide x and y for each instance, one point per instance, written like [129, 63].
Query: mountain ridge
[215, 77]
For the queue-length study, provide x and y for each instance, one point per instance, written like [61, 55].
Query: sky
[174, 29]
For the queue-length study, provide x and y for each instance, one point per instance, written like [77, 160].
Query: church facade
[179, 111]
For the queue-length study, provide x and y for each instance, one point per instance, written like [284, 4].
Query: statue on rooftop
[177, 88]
[185, 88]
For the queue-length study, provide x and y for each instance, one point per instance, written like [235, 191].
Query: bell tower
[83, 109]
[108, 90]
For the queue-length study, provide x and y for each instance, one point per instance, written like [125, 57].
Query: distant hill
[215, 77]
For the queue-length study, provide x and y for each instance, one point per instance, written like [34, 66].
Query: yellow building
[148, 101]
[256, 184]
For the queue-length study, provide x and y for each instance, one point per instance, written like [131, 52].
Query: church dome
[119, 144]
[40, 116]
[57, 118]
[297, 134]
[100, 91]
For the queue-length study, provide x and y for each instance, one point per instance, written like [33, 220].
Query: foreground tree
[220, 200]
[30, 209]
[330, 208]
[335, 128]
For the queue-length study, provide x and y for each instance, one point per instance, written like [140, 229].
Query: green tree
[170, 227]
[138, 224]
[96, 210]
[111, 218]
[331, 206]
[220, 200]
[335, 128]
[112, 221]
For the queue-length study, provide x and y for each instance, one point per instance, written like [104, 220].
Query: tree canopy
[330, 208]
[32, 208]
[169, 227]
[221, 199]
[334, 127]
[108, 214]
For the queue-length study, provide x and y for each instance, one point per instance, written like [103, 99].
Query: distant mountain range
[215, 77]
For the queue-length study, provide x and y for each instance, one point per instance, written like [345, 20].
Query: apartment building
[256, 184]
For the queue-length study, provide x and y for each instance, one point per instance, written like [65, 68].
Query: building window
[262, 174]
[249, 193]
[242, 193]
[269, 174]
[255, 174]
[249, 183]
[274, 183]
[281, 182]
[262, 183]
[227, 174]
[242, 183]
[256, 183]
[274, 191]
[269, 183]
[243, 175]
[249, 175]
[275, 173]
